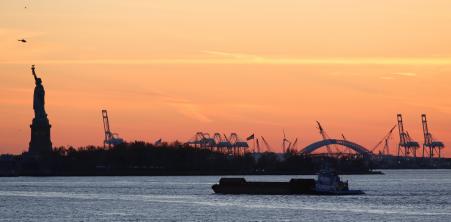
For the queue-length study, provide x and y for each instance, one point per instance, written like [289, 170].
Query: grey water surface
[399, 195]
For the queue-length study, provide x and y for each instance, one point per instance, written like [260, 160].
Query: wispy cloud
[232, 58]
[387, 77]
[409, 74]
[395, 75]
[235, 55]
[183, 106]
[191, 110]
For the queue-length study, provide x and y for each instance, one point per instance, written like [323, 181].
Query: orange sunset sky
[169, 68]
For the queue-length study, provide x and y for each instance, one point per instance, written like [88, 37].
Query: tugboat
[328, 183]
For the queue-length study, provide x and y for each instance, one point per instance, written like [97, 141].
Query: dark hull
[265, 188]
[294, 187]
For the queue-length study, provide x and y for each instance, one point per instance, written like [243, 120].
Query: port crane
[430, 145]
[294, 145]
[326, 137]
[219, 142]
[406, 144]
[284, 142]
[258, 145]
[385, 141]
[268, 147]
[111, 139]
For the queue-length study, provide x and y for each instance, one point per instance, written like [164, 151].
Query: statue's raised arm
[34, 73]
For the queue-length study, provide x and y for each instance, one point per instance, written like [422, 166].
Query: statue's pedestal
[40, 144]
[37, 161]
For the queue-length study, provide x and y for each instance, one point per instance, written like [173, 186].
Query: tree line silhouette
[141, 158]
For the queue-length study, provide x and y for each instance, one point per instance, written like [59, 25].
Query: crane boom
[430, 144]
[386, 137]
[405, 141]
[268, 147]
[258, 145]
[325, 137]
[110, 138]
[293, 146]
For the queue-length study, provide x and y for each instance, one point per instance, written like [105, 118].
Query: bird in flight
[22, 40]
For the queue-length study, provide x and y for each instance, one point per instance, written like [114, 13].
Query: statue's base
[40, 143]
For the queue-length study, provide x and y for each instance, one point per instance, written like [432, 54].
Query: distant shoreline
[189, 174]
[147, 174]
[144, 159]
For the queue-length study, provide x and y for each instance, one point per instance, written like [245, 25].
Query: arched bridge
[354, 146]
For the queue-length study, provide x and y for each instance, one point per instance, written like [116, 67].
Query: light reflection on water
[408, 195]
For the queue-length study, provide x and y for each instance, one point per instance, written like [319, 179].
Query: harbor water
[399, 195]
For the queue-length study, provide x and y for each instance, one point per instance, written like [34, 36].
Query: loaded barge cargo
[328, 183]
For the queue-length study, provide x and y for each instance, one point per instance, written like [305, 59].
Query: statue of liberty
[40, 143]
[38, 99]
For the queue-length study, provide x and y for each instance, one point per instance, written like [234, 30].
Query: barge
[328, 183]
